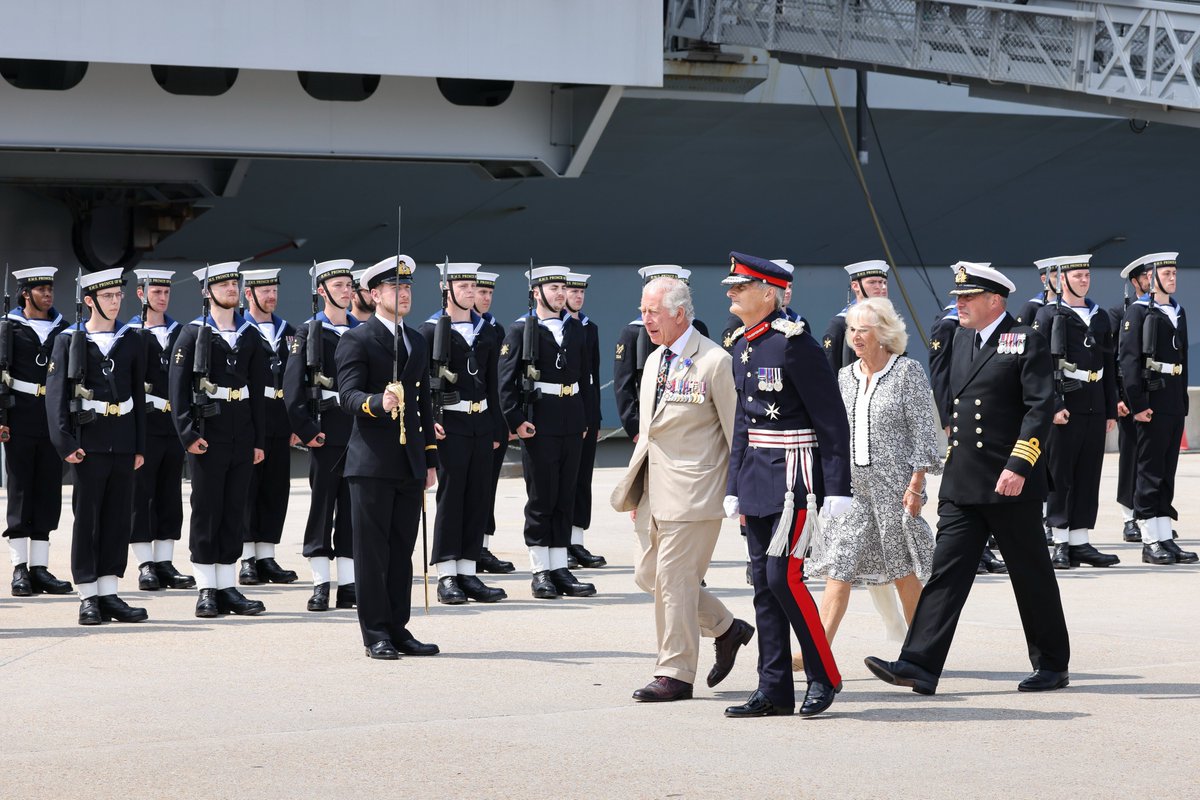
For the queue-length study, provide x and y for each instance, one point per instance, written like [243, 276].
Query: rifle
[6, 347]
[77, 364]
[1152, 379]
[440, 374]
[530, 374]
[1058, 343]
[314, 354]
[202, 405]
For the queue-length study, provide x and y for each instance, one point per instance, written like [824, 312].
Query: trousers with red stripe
[782, 604]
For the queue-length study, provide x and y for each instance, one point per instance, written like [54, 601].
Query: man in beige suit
[675, 485]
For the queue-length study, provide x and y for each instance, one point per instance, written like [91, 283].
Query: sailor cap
[92, 282]
[34, 276]
[460, 271]
[486, 280]
[154, 277]
[218, 273]
[393, 269]
[867, 269]
[577, 280]
[260, 277]
[1149, 262]
[541, 275]
[335, 268]
[1067, 263]
[664, 271]
[973, 278]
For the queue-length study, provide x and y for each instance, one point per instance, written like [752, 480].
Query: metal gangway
[1135, 58]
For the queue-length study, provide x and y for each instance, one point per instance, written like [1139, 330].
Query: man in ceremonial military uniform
[867, 279]
[577, 553]
[391, 457]
[1139, 281]
[95, 402]
[540, 393]
[464, 362]
[34, 469]
[218, 406]
[790, 439]
[1154, 369]
[995, 480]
[310, 392]
[157, 491]
[270, 485]
[1047, 295]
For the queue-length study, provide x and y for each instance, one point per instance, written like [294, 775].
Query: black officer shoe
[479, 591]
[347, 596]
[45, 583]
[990, 563]
[411, 647]
[759, 705]
[171, 578]
[448, 592]
[231, 601]
[1155, 553]
[89, 612]
[585, 557]
[1181, 556]
[1087, 554]
[543, 587]
[248, 576]
[818, 698]
[21, 585]
[116, 609]
[487, 562]
[384, 650]
[1044, 680]
[1131, 532]
[269, 571]
[206, 604]
[569, 585]
[147, 577]
[320, 597]
[1062, 558]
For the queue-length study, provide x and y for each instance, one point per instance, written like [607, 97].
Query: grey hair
[676, 295]
[780, 294]
[889, 327]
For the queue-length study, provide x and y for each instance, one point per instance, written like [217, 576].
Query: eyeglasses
[106, 296]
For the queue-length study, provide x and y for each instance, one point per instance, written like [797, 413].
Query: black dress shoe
[44, 582]
[1062, 556]
[384, 650]
[206, 604]
[903, 673]
[663, 690]
[171, 578]
[448, 592]
[543, 587]
[89, 612]
[727, 645]
[1043, 680]
[116, 609]
[759, 705]
[991, 563]
[1155, 553]
[347, 596]
[269, 571]
[320, 597]
[21, 585]
[572, 562]
[1087, 554]
[231, 601]
[586, 558]
[479, 591]
[248, 575]
[411, 647]
[818, 698]
[569, 585]
[487, 562]
[148, 578]
[1181, 556]
[1131, 532]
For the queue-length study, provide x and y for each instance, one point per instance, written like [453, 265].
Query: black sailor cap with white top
[577, 280]
[98, 281]
[540, 275]
[486, 280]
[459, 270]
[260, 277]
[335, 268]
[34, 276]
[393, 269]
[218, 273]
[1067, 263]
[665, 271]
[154, 277]
[973, 278]
[867, 269]
[1149, 262]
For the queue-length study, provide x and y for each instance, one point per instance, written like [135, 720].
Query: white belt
[272, 394]
[1151, 364]
[160, 403]
[557, 389]
[327, 394]
[802, 439]
[1084, 375]
[225, 393]
[799, 445]
[467, 406]
[108, 409]
[25, 387]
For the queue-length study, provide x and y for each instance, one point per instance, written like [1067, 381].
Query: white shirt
[162, 333]
[678, 345]
[103, 340]
[987, 332]
[555, 326]
[466, 330]
[391, 326]
[42, 328]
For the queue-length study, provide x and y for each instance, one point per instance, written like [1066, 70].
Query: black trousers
[583, 484]
[35, 474]
[464, 471]
[220, 489]
[327, 532]
[158, 491]
[1127, 460]
[387, 514]
[551, 468]
[1075, 454]
[1157, 458]
[782, 604]
[497, 464]
[101, 500]
[961, 536]
[270, 488]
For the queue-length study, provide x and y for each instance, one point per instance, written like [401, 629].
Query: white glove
[835, 506]
[731, 506]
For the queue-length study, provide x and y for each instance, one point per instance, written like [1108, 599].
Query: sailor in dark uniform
[97, 414]
[157, 490]
[485, 289]
[543, 404]
[1154, 369]
[577, 553]
[219, 419]
[311, 396]
[466, 399]
[270, 485]
[867, 279]
[1139, 281]
[361, 304]
[34, 470]
[391, 457]
[1002, 393]
[791, 440]
[1082, 347]
[1028, 312]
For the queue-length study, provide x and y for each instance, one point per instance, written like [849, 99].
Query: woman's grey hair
[881, 314]
[676, 295]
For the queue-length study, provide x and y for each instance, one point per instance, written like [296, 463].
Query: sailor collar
[239, 323]
[18, 315]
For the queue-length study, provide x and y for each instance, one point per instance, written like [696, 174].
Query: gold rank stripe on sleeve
[366, 407]
[431, 447]
[1028, 450]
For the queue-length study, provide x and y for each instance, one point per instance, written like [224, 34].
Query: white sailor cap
[260, 277]
[335, 268]
[1067, 263]
[867, 269]
[459, 271]
[577, 280]
[664, 271]
[154, 277]
[973, 278]
[218, 273]
[1149, 262]
[393, 269]
[787, 265]
[486, 280]
[34, 276]
[356, 275]
[541, 275]
[92, 282]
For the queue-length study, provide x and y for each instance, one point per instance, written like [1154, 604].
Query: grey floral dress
[892, 434]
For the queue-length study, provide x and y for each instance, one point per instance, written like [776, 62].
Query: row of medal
[678, 390]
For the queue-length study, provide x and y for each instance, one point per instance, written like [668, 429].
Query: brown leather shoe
[663, 690]
[727, 645]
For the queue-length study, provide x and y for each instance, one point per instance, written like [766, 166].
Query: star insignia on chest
[828, 343]
[772, 411]
[504, 349]
[935, 345]
[179, 356]
[746, 355]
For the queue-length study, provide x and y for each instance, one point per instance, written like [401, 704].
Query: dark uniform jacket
[1170, 347]
[562, 364]
[941, 348]
[732, 323]
[1116, 318]
[1003, 406]
[837, 350]
[30, 358]
[477, 367]
[1031, 308]
[364, 369]
[275, 360]
[158, 372]
[495, 331]
[1091, 348]
[333, 422]
[591, 397]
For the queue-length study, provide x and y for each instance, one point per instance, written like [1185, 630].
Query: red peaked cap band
[740, 268]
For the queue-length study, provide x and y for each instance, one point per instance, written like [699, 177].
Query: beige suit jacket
[682, 454]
